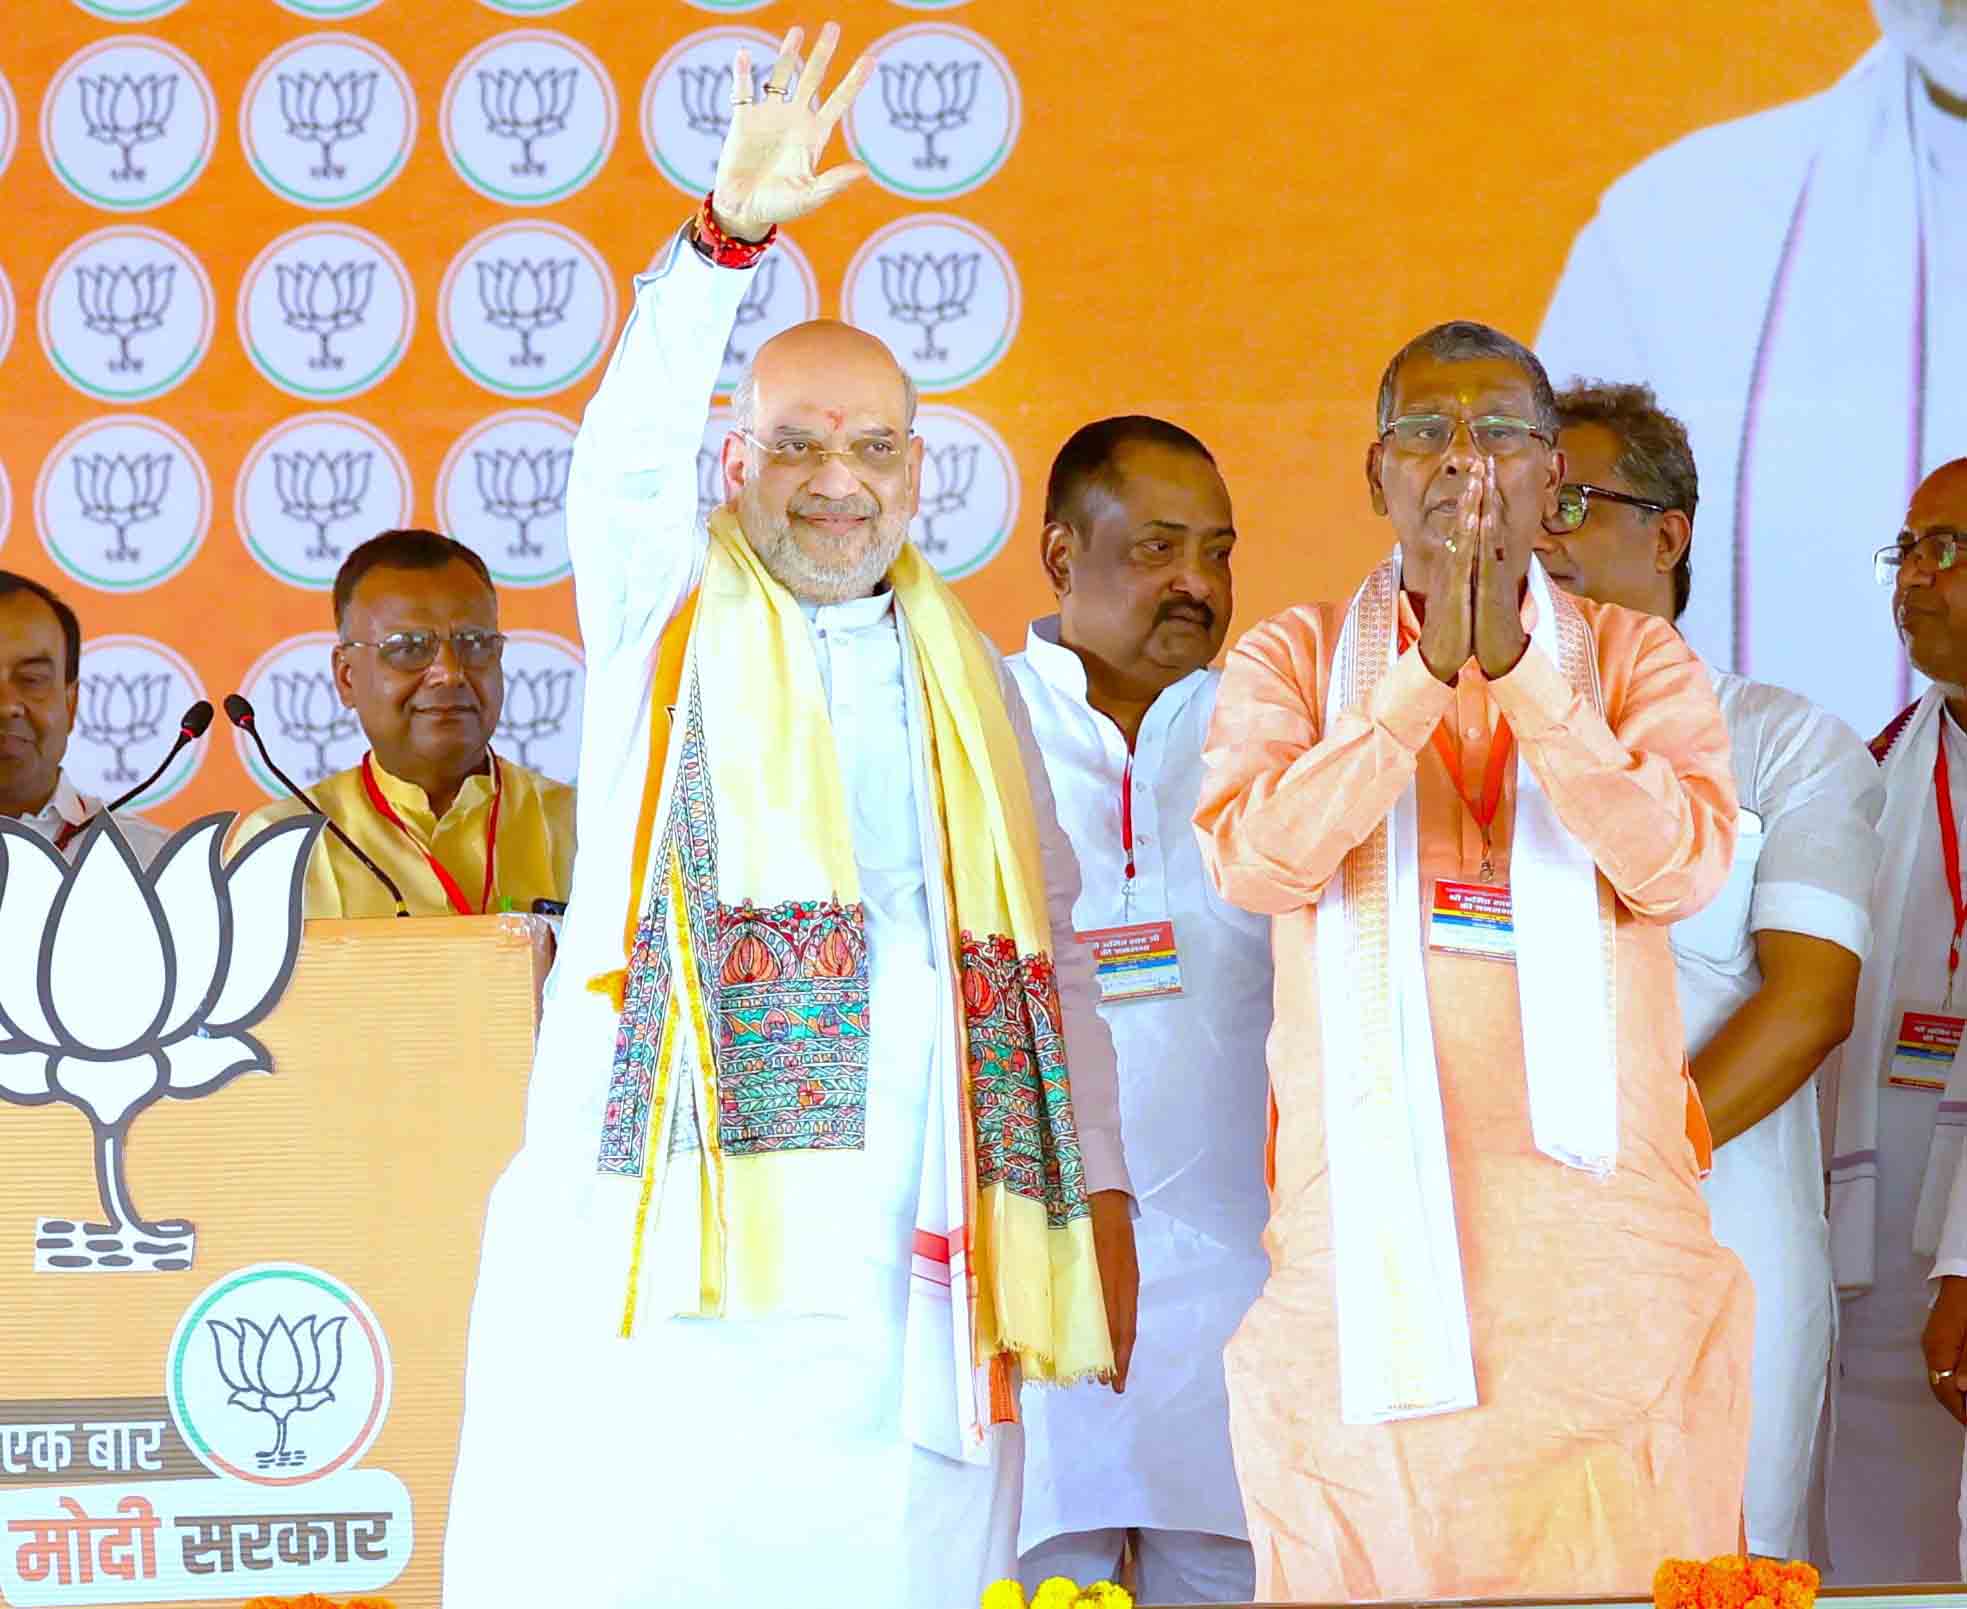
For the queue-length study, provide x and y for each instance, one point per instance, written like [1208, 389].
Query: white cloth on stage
[1806, 852]
[1895, 1467]
[68, 806]
[712, 1460]
[1169, 1566]
[1766, 277]
[1194, 1096]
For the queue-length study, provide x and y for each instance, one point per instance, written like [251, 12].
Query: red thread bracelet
[726, 251]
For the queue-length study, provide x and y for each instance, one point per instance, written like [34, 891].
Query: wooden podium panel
[401, 1052]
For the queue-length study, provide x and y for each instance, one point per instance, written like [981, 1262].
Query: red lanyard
[1483, 808]
[1127, 816]
[1950, 856]
[451, 890]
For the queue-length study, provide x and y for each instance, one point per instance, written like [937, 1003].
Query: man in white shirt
[40, 671]
[1137, 546]
[1794, 286]
[1903, 1099]
[1768, 973]
[823, 1142]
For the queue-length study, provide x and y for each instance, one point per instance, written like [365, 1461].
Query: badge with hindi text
[1135, 962]
[1472, 919]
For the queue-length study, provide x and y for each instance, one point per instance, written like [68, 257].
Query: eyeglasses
[1574, 503]
[877, 455]
[1496, 435]
[417, 650]
[1938, 548]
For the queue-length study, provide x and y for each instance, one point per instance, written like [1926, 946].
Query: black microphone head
[237, 710]
[196, 719]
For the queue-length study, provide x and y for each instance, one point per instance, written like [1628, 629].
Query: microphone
[190, 729]
[240, 714]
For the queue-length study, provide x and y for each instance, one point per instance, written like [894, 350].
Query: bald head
[1929, 603]
[823, 469]
[824, 354]
[1941, 498]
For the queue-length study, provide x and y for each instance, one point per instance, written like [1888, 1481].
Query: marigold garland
[313, 1600]
[1057, 1593]
[1734, 1582]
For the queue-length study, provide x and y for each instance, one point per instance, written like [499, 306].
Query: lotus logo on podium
[198, 950]
[281, 1370]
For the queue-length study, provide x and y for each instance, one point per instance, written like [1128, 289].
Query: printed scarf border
[1021, 1098]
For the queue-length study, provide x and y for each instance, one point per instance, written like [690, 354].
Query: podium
[280, 1417]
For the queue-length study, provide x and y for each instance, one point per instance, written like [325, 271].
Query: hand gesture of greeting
[1480, 613]
[768, 172]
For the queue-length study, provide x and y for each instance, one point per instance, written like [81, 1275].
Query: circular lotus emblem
[278, 1374]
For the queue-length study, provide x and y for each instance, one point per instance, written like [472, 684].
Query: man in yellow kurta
[457, 828]
[1500, 1352]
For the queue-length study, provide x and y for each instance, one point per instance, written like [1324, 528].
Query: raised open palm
[768, 172]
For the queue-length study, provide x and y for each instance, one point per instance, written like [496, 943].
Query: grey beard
[1933, 33]
[812, 581]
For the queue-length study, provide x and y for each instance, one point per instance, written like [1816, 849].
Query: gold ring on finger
[1935, 1376]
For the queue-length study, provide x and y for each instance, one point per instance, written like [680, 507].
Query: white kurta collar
[856, 614]
[1065, 672]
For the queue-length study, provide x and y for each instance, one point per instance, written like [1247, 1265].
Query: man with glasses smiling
[1768, 973]
[1499, 1352]
[460, 829]
[823, 1151]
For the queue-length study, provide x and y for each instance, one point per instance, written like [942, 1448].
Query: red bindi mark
[835, 417]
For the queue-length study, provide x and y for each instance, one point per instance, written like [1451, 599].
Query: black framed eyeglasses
[417, 650]
[1574, 500]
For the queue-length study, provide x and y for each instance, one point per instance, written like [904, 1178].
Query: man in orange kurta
[1605, 1335]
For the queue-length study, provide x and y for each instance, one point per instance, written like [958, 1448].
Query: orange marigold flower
[1724, 1583]
[1676, 1584]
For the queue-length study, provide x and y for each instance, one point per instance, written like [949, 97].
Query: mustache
[862, 507]
[1187, 609]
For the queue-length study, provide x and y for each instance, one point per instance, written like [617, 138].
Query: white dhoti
[1893, 1482]
[707, 1461]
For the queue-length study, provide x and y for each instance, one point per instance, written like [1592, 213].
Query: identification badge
[1922, 1051]
[1472, 919]
[1135, 962]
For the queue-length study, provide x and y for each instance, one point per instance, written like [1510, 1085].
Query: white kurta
[1791, 285]
[709, 1460]
[1895, 1467]
[68, 806]
[1805, 856]
[1193, 1100]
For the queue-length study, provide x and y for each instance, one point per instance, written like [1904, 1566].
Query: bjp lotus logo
[279, 1371]
[946, 117]
[198, 951]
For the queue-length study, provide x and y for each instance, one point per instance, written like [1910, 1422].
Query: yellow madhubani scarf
[748, 973]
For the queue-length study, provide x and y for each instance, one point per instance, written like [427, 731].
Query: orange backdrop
[1228, 217]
